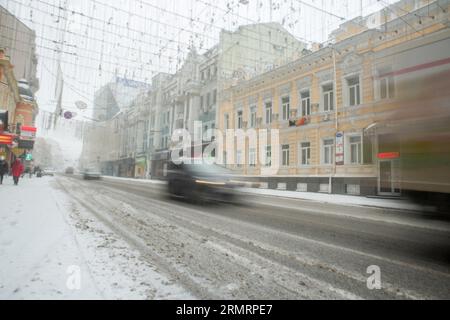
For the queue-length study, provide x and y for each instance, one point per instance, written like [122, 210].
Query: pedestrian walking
[4, 169]
[17, 170]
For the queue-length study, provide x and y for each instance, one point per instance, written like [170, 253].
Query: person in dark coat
[17, 169]
[4, 169]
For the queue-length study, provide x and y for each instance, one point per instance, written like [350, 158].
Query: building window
[328, 151]
[208, 100]
[328, 97]
[305, 153]
[355, 149]
[226, 121]
[268, 109]
[253, 116]
[239, 120]
[285, 104]
[268, 156]
[387, 88]
[354, 91]
[201, 102]
[239, 158]
[305, 103]
[252, 157]
[285, 155]
[214, 96]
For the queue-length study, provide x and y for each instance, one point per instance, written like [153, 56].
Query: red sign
[389, 155]
[31, 129]
[6, 139]
[28, 132]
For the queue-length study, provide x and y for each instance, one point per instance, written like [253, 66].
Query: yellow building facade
[327, 104]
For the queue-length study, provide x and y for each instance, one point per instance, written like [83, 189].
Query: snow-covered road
[52, 248]
[130, 241]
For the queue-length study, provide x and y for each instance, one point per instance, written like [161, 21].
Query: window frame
[252, 157]
[359, 151]
[252, 116]
[239, 119]
[332, 151]
[285, 160]
[285, 107]
[357, 90]
[266, 103]
[226, 121]
[301, 153]
[305, 102]
[327, 96]
[268, 150]
[389, 81]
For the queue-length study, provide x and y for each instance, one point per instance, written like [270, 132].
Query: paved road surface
[274, 248]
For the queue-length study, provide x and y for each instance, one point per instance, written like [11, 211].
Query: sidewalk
[399, 204]
[49, 244]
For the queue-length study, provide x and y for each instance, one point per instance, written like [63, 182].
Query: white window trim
[265, 112]
[282, 107]
[268, 164]
[346, 92]
[226, 121]
[252, 160]
[322, 93]
[300, 153]
[300, 111]
[347, 148]
[322, 151]
[282, 155]
[251, 108]
[387, 88]
[237, 118]
[240, 161]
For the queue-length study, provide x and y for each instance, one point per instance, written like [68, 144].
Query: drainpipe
[335, 118]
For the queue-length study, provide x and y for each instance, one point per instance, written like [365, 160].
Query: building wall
[362, 55]
[20, 44]
[9, 93]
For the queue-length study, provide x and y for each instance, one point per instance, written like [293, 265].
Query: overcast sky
[136, 39]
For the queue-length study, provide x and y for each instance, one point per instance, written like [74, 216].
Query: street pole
[335, 118]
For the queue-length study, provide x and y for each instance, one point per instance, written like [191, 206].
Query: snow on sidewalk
[51, 248]
[399, 204]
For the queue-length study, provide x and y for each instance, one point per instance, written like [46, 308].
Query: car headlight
[210, 182]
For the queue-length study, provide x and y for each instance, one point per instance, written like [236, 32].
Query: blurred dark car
[91, 174]
[70, 170]
[200, 182]
[45, 172]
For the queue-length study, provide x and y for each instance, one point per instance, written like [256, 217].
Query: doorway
[389, 177]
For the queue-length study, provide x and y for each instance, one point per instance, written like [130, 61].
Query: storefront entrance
[389, 177]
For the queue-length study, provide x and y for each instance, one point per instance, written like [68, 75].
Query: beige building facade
[326, 105]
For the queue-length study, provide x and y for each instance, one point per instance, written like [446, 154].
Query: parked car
[91, 174]
[200, 182]
[70, 170]
[45, 172]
